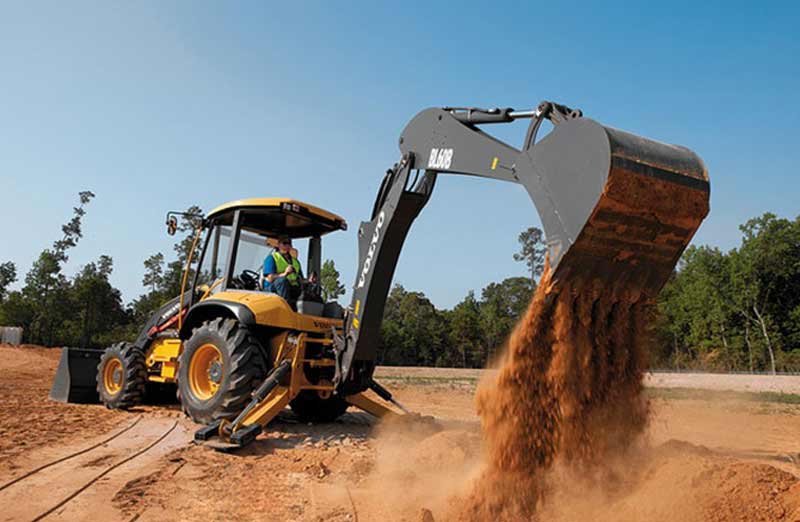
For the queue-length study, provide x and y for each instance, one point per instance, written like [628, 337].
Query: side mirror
[172, 225]
[195, 220]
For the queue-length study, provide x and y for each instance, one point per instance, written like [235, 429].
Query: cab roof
[277, 216]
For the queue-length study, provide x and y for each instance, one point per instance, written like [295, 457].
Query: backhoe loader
[614, 207]
[219, 339]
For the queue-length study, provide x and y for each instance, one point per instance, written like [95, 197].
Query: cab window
[215, 258]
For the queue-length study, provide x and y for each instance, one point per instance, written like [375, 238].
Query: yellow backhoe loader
[614, 207]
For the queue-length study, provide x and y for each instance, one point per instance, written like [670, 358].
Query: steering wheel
[250, 279]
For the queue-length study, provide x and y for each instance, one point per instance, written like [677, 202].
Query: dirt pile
[674, 481]
[569, 389]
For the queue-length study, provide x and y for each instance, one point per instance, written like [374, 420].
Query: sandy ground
[701, 381]
[705, 458]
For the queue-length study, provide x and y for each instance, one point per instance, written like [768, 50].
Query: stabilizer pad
[207, 432]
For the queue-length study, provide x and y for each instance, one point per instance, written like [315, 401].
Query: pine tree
[332, 288]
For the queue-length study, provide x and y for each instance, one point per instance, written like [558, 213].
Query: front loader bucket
[618, 210]
[76, 376]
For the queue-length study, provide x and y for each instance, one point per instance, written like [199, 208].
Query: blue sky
[155, 106]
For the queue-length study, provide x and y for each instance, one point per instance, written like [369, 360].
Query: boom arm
[589, 183]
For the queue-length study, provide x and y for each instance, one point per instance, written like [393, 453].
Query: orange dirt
[28, 419]
[569, 388]
[703, 460]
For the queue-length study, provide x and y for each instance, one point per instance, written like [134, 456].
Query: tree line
[86, 309]
[731, 311]
[737, 310]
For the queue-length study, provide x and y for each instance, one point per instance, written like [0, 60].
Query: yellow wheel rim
[205, 372]
[113, 376]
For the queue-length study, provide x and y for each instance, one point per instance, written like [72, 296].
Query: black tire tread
[134, 385]
[247, 369]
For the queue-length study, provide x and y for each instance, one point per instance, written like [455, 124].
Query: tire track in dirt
[72, 489]
[69, 456]
[105, 472]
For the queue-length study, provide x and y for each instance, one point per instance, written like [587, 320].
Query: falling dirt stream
[569, 389]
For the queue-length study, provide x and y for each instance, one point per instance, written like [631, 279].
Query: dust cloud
[562, 435]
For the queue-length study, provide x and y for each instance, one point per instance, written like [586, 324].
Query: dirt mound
[674, 482]
[747, 491]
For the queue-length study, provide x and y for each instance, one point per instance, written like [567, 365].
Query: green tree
[97, 306]
[154, 271]
[501, 306]
[8, 274]
[765, 281]
[532, 250]
[46, 288]
[332, 288]
[413, 331]
[143, 307]
[72, 229]
[16, 310]
[697, 305]
[738, 309]
[465, 336]
[393, 343]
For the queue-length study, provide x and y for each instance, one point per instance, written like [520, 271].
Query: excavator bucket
[76, 376]
[615, 207]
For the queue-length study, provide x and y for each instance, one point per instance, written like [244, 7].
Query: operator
[282, 272]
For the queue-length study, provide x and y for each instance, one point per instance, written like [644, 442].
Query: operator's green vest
[281, 265]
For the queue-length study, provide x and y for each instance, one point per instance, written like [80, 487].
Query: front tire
[218, 369]
[121, 376]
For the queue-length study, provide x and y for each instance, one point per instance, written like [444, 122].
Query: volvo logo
[373, 245]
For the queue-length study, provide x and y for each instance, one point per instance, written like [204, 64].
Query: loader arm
[613, 206]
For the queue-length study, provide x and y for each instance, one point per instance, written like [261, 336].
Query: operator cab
[241, 234]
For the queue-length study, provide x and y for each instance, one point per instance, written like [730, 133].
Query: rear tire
[310, 407]
[218, 369]
[121, 376]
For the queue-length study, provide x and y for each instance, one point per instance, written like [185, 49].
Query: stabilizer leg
[373, 407]
[268, 400]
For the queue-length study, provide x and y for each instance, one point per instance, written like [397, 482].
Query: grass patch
[428, 380]
[717, 395]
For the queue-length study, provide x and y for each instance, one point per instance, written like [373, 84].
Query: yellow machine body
[268, 309]
[162, 356]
